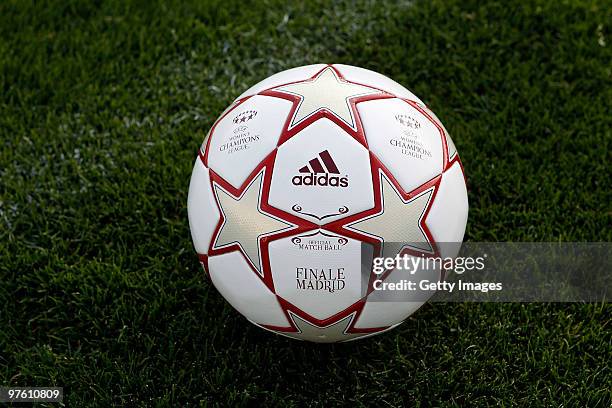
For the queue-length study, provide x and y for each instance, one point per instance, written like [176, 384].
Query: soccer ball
[298, 175]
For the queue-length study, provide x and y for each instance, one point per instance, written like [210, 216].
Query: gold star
[326, 91]
[244, 223]
[399, 221]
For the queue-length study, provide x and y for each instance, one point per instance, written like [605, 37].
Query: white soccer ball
[297, 174]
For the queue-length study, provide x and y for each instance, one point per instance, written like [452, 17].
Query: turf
[103, 106]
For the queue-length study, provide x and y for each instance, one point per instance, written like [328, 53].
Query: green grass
[103, 108]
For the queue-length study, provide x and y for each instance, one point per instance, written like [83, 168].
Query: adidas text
[320, 179]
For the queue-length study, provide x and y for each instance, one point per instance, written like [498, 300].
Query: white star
[399, 221]
[326, 91]
[331, 333]
[244, 222]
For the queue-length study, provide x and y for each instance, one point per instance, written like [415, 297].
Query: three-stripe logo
[320, 171]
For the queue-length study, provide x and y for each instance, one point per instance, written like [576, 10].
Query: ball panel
[381, 314]
[390, 307]
[284, 77]
[452, 150]
[403, 139]
[318, 272]
[448, 215]
[374, 333]
[242, 139]
[322, 174]
[371, 78]
[205, 142]
[244, 290]
[201, 208]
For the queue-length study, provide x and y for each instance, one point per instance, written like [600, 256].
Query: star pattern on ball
[244, 223]
[326, 91]
[331, 333]
[399, 220]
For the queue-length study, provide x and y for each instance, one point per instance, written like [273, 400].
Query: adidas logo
[320, 171]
